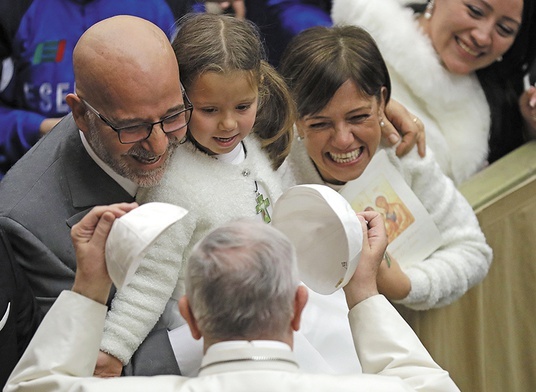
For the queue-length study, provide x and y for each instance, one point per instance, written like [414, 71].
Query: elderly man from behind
[243, 296]
[128, 113]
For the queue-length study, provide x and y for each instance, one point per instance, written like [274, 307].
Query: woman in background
[458, 65]
[341, 86]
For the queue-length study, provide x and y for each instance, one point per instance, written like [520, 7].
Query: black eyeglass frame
[188, 108]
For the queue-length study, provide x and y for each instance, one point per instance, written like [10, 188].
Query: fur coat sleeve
[464, 257]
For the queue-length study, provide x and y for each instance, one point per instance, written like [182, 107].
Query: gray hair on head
[241, 281]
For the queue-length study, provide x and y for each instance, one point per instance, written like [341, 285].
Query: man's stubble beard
[142, 178]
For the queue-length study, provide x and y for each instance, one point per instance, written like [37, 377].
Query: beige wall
[487, 339]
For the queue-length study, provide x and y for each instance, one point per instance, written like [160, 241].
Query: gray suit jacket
[49, 190]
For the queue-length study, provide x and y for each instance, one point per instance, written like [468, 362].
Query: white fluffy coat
[464, 257]
[214, 192]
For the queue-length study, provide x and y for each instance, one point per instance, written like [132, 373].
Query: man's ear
[79, 111]
[300, 300]
[186, 313]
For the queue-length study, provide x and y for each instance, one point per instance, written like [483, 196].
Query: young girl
[238, 135]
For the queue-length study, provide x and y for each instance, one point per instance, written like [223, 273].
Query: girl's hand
[107, 366]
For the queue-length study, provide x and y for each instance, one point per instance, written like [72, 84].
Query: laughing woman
[341, 86]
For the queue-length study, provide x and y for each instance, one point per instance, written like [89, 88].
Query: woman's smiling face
[471, 34]
[343, 137]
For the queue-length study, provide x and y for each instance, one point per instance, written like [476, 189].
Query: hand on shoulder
[400, 122]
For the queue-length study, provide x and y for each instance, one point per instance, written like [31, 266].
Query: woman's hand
[218, 6]
[401, 122]
[392, 282]
[527, 106]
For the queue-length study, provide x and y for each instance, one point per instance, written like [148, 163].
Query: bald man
[36, 70]
[128, 113]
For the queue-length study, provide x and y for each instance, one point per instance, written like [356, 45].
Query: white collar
[246, 355]
[236, 156]
[128, 185]
[238, 344]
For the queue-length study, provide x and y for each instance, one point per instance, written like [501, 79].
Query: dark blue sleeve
[19, 129]
[280, 20]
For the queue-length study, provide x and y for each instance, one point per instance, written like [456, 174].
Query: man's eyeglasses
[138, 132]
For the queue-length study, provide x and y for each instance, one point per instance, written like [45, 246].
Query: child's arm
[137, 307]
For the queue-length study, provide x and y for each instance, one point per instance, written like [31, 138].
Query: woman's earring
[300, 138]
[429, 9]
[499, 59]
[382, 123]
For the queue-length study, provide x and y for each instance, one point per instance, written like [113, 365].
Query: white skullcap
[131, 236]
[325, 231]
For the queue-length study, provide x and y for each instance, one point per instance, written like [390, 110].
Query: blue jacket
[280, 20]
[37, 38]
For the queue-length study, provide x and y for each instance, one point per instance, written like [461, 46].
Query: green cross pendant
[262, 207]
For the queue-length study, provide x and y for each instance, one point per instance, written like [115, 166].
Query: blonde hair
[222, 43]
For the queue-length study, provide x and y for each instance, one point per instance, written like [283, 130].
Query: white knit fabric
[213, 192]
